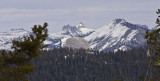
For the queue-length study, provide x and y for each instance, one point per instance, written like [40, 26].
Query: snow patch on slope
[133, 33]
[86, 30]
[63, 41]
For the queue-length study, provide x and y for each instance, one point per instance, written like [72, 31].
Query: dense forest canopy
[66, 64]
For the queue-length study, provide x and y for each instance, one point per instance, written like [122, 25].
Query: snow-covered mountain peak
[17, 30]
[118, 34]
[78, 30]
[118, 21]
[80, 25]
[66, 27]
[15, 33]
[7, 37]
[121, 22]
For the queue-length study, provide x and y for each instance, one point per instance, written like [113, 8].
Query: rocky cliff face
[76, 31]
[76, 42]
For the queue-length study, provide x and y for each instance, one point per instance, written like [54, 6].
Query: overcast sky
[57, 13]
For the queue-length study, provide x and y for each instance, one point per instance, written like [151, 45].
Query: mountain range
[116, 35]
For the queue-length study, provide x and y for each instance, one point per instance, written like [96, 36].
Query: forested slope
[80, 65]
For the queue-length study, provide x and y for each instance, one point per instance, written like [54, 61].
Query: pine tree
[153, 40]
[16, 65]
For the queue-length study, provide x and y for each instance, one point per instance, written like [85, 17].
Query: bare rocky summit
[77, 42]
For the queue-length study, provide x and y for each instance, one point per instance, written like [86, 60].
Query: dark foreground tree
[153, 40]
[15, 65]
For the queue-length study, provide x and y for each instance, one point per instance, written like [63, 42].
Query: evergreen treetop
[15, 65]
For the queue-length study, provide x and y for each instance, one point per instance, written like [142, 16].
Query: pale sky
[57, 13]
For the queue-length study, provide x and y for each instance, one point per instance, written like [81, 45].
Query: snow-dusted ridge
[7, 37]
[118, 34]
